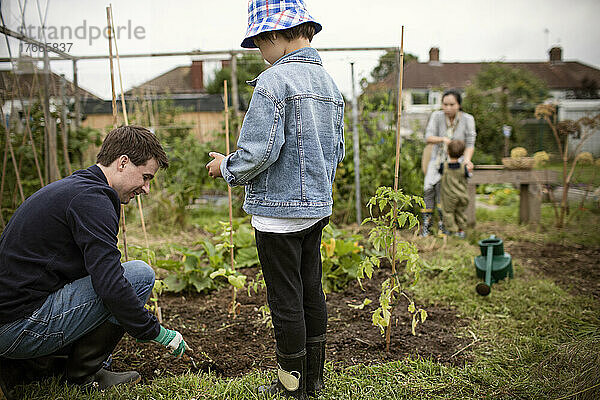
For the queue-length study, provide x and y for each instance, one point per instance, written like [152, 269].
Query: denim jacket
[291, 141]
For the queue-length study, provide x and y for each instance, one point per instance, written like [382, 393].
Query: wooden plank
[513, 176]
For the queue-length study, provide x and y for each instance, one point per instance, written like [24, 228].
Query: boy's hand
[214, 166]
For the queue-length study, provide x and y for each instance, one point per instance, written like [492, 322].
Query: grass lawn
[531, 338]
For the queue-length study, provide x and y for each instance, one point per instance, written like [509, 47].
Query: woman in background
[443, 126]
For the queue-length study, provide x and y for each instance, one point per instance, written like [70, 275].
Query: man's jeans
[67, 315]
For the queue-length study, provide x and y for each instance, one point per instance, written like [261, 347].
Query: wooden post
[356, 148]
[64, 128]
[50, 127]
[471, 191]
[76, 96]
[235, 101]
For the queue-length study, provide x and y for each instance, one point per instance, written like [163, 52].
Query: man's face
[133, 179]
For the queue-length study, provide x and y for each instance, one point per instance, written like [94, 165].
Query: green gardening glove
[172, 340]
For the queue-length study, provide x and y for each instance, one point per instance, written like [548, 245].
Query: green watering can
[492, 265]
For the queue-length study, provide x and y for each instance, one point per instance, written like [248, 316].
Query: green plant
[582, 129]
[391, 213]
[504, 196]
[198, 269]
[341, 256]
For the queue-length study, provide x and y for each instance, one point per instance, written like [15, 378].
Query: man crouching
[63, 290]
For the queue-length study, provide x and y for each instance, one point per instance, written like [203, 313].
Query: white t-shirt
[282, 225]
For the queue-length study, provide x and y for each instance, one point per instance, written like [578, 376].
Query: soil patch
[574, 267]
[234, 347]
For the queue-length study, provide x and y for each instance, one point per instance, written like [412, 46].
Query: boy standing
[291, 141]
[454, 190]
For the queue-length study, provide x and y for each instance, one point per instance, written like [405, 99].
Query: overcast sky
[464, 30]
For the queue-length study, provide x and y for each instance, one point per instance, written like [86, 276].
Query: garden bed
[575, 267]
[234, 347]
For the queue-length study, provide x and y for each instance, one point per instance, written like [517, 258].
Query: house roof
[189, 102]
[177, 80]
[30, 85]
[557, 75]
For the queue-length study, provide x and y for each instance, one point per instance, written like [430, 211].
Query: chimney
[197, 75]
[434, 56]
[555, 54]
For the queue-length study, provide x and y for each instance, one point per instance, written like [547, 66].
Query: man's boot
[84, 366]
[315, 362]
[22, 372]
[291, 376]
[426, 227]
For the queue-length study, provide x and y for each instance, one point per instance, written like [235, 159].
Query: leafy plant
[581, 129]
[200, 269]
[388, 211]
[341, 256]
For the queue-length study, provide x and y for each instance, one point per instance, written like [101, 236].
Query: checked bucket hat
[273, 15]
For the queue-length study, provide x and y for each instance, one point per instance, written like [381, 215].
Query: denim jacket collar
[304, 55]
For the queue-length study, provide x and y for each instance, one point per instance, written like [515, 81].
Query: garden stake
[234, 294]
[13, 158]
[138, 199]
[396, 169]
[114, 113]
[28, 112]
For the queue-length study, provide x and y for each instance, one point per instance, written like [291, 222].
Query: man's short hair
[456, 148]
[305, 30]
[137, 142]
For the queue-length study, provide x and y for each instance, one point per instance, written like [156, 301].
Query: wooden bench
[528, 181]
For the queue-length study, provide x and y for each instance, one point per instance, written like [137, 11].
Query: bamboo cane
[139, 200]
[234, 295]
[13, 158]
[114, 113]
[126, 119]
[396, 179]
[2, 183]
[19, 95]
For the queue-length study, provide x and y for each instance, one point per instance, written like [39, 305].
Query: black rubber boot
[291, 376]
[23, 372]
[426, 227]
[84, 366]
[315, 363]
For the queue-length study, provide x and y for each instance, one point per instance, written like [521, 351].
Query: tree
[388, 64]
[501, 95]
[249, 66]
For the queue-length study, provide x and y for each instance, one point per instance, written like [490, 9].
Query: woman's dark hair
[137, 142]
[456, 95]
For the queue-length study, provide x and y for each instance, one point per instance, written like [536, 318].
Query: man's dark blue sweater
[63, 232]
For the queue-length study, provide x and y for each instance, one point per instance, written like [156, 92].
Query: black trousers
[291, 265]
